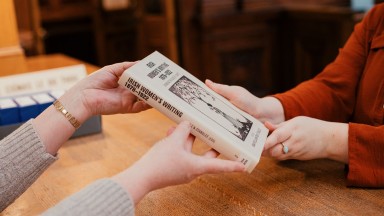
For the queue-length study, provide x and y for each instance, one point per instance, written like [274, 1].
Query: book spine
[177, 114]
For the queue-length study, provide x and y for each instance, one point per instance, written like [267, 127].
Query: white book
[180, 96]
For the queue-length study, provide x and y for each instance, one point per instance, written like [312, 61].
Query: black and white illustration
[212, 107]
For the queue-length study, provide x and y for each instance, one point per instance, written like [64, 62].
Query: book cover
[180, 96]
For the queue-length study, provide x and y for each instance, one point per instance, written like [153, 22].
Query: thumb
[118, 68]
[270, 126]
[223, 90]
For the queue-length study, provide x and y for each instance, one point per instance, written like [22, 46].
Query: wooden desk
[274, 188]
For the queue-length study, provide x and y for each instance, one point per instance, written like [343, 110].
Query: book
[181, 96]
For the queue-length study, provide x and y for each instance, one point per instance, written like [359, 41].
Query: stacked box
[28, 108]
[15, 111]
[43, 100]
[56, 94]
[9, 112]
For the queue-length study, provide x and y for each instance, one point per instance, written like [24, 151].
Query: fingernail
[209, 81]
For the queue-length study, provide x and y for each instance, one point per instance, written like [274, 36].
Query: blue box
[15, 111]
[43, 100]
[9, 112]
[91, 126]
[28, 108]
[56, 94]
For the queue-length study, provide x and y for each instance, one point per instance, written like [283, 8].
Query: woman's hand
[171, 162]
[100, 94]
[307, 138]
[264, 109]
[97, 94]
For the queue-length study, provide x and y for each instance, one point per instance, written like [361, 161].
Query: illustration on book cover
[212, 107]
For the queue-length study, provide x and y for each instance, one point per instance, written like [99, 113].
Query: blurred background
[265, 46]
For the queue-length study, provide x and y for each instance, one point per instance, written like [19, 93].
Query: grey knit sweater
[23, 159]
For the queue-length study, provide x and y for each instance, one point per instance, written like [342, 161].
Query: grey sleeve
[103, 197]
[22, 160]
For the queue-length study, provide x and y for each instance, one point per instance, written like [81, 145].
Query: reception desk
[315, 187]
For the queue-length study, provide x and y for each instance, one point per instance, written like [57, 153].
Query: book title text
[146, 94]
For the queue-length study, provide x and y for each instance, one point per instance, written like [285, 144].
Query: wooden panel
[238, 51]
[311, 37]
[115, 34]
[250, 5]
[68, 26]
[29, 26]
[224, 40]
[316, 2]
[218, 7]
[8, 26]
[11, 54]
[157, 28]
[58, 10]
[232, 47]
[189, 37]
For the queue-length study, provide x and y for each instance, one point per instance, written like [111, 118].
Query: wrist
[72, 100]
[58, 122]
[337, 147]
[270, 109]
[135, 182]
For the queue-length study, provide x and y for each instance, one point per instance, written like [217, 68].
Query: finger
[189, 143]
[276, 150]
[216, 165]
[170, 130]
[140, 106]
[181, 132]
[223, 90]
[279, 135]
[266, 153]
[212, 153]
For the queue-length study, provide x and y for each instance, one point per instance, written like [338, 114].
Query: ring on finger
[285, 148]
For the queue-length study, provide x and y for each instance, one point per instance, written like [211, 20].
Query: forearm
[23, 160]
[53, 127]
[135, 182]
[103, 197]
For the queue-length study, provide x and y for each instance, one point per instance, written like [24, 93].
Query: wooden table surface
[274, 188]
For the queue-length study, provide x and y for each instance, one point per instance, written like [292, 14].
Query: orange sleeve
[332, 96]
[366, 155]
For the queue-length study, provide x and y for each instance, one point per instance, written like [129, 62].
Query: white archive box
[24, 96]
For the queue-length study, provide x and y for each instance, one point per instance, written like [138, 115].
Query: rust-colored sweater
[351, 90]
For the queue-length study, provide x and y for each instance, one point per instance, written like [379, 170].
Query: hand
[306, 139]
[97, 94]
[264, 109]
[171, 162]
[100, 94]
